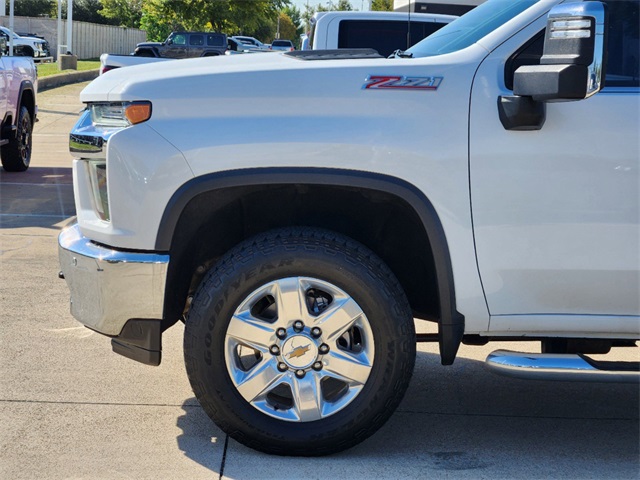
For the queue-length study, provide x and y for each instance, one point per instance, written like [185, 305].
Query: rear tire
[285, 388]
[16, 155]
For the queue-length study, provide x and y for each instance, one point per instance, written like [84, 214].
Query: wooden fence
[90, 40]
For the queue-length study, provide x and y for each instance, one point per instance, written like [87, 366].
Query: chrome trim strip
[547, 366]
[108, 286]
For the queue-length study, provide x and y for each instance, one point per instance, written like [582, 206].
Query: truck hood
[248, 75]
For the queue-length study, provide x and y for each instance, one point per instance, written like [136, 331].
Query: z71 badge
[412, 83]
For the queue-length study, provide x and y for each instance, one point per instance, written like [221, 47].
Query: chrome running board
[565, 367]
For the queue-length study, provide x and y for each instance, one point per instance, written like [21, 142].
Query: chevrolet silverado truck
[18, 79]
[485, 180]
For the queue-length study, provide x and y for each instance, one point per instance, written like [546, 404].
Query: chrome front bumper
[109, 287]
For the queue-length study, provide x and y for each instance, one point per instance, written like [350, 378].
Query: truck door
[177, 48]
[196, 45]
[556, 211]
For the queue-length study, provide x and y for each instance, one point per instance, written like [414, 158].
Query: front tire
[16, 155]
[300, 342]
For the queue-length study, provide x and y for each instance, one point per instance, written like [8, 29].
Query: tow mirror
[573, 61]
[572, 66]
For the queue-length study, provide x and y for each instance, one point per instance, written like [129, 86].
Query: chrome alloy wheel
[299, 349]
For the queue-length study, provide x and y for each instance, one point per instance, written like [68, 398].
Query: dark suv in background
[185, 45]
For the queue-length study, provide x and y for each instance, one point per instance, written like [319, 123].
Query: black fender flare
[451, 322]
[26, 85]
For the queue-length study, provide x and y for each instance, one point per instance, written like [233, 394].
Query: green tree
[31, 8]
[308, 13]
[83, 11]
[296, 17]
[287, 28]
[330, 6]
[159, 17]
[126, 13]
[382, 5]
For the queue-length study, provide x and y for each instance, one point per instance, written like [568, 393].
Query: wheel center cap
[299, 351]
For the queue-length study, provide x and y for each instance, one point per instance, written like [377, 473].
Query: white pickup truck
[30, 46]
[19, 84]
[485, 180]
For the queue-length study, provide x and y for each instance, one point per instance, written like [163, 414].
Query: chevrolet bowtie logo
[298, 352]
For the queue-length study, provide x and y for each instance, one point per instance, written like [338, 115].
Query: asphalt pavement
[70, 408]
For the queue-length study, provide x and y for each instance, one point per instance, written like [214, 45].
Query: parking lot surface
[72, 409]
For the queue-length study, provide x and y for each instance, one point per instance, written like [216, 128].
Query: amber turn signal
[137, 112]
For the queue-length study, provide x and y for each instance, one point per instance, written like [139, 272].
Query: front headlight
[119, 114]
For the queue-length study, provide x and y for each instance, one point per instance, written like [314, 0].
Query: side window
[529, 54]
[385, 36]
[179, 40]
[624, 47]
[196, 40]
[215, 40]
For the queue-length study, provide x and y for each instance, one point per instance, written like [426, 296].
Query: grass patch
[46, 69]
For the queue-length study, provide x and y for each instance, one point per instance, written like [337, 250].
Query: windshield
[470, 28]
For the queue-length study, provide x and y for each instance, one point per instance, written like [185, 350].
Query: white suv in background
[283, 45]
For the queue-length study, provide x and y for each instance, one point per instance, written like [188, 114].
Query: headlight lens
[119, 114]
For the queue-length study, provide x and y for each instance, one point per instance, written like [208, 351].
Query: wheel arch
[27, 98]
[224, 197]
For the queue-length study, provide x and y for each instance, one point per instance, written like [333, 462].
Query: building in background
[449, 7]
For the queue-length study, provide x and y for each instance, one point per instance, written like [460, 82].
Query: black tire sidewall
[361, 277]
[12, 160]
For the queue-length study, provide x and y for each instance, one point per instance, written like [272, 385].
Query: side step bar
[565, 367]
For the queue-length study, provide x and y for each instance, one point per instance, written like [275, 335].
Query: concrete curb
[52, 81]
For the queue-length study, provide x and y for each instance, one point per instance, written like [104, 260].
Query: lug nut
[316, 332]
[282, 367]
[324, 349]
[281, 333]
[300, 373]
[317, 366]
[298, 326]
[275, 350]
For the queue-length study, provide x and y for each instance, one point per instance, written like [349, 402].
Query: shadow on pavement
[39, 197]
[463, 419]
[201, 440]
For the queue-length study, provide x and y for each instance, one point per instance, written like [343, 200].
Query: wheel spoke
[307, 397]
[338, 318]
[349, 368]
[290, 300]
[251, 332]
[259, 380]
